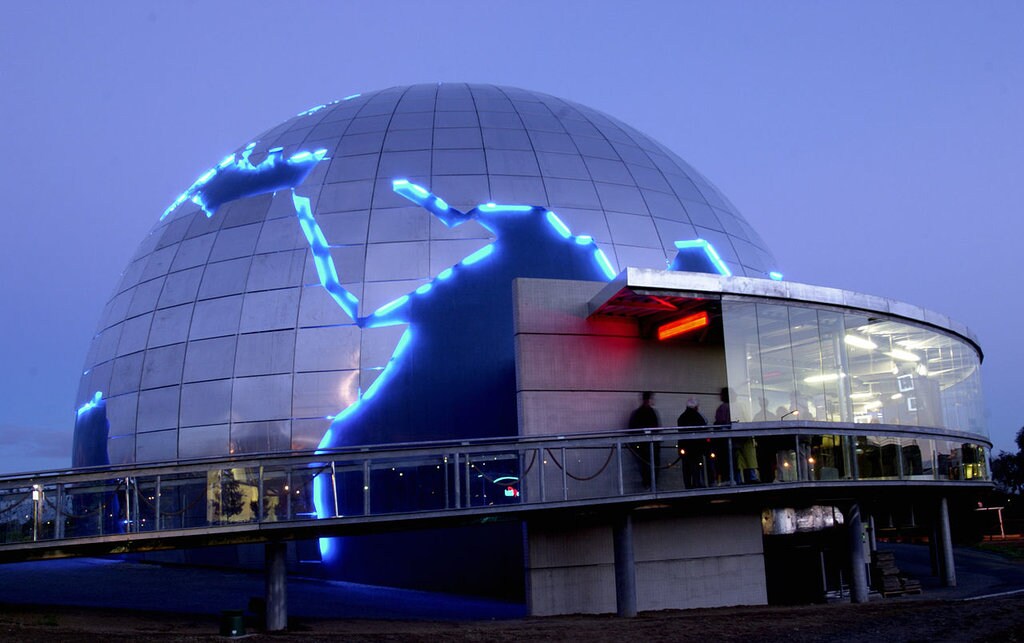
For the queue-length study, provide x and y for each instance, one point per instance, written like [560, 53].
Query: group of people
[646, 417]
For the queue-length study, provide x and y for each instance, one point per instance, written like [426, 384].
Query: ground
[995, 619]
[986, 605]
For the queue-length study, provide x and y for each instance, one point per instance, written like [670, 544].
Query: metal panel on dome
[245, 276]
[209, 359]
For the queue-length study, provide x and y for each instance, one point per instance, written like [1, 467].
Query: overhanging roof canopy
[649, 295]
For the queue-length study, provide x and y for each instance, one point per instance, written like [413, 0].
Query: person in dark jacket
[645, 417]
[691, 416]
[691, 461]
[723, 415]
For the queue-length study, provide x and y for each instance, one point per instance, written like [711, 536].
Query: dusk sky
[876, 146]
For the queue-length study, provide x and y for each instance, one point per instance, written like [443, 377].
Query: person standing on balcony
[645, 417]
[723, 415]
[693, 461]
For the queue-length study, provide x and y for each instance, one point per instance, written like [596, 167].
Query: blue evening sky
[876, 146]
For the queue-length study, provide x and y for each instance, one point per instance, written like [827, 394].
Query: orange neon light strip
[684, 325]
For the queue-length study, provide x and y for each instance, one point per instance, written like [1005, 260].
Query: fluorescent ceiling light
[824, 377]
[902, 355]
[860, 342]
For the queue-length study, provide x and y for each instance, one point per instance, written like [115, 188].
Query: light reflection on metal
[91, 404]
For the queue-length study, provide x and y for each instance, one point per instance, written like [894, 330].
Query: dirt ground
[891, 620]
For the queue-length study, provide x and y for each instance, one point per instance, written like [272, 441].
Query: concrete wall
[681, 563]
[575, 375]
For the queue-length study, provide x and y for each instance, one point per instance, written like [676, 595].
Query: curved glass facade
[798, 362]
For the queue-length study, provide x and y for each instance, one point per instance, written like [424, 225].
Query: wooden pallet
[888, 579]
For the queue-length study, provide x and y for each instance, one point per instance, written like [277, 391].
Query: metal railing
[411, 481]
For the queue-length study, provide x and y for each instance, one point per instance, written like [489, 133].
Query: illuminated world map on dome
[369, 245]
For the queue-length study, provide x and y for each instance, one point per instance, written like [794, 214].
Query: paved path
[94, 582]
[978, 573]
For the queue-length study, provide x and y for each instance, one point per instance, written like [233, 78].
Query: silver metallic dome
[221, 336]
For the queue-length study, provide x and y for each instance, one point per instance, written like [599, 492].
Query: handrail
[449, 477]
[82, 474]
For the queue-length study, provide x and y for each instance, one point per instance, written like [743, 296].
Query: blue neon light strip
[423, 197]
[272, 174]
[775, 276]
[391, 306]
[494, 207]
[486, 251]
[429, 202]
[605, 265]
[91, 404]
[558, 225]
[322, 258]
[716, 260]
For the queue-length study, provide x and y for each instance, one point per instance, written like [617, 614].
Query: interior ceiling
[654, 308]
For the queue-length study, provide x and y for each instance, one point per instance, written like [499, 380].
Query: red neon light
[684, 325]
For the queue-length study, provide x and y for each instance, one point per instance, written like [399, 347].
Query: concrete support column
[946, 545]
[858, 574]
[625, 566]
[871, 535]
[276, 587]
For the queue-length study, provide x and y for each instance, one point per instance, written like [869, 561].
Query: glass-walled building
[820, 384]
[825, 365]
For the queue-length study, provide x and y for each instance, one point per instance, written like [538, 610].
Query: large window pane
[803, 363]
[743, 361]
[780, 393]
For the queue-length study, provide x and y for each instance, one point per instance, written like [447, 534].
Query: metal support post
[138, 507]
[732, 464]
[37, 501]
[58, 525]
[653, 467]
[946, 543]
[276, 586]
[259, 494]
[157, 493]
[366, 487]
[625, 566]
[128, 505]
[618, 460]
[288, 495]
[447, 490]
[565, 478]
[458, 483]
[540, 471]
[334, 488]
[858, 574]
